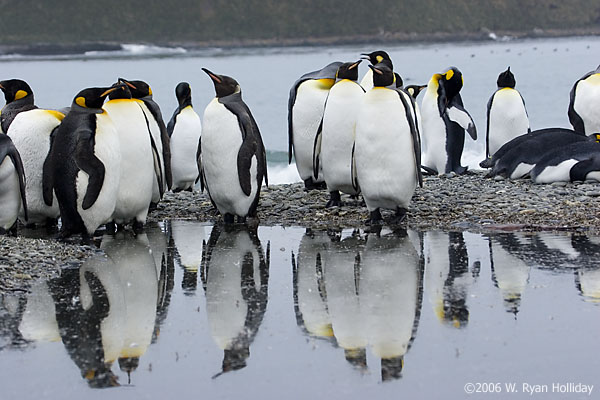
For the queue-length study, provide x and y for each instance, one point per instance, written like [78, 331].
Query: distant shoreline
[385, 38]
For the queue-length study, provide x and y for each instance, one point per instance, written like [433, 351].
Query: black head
[414, 90]
[123, 93]
[183, 92]
[382, 75]
[224, 85]
[376, 57]
[506, 79]
[138, 89]
[16, 89]
[452, 80]
[348, 70]
[93, 98]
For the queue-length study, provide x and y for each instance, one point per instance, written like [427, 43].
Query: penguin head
[93, 98]
[125, 93]
[398, 80]
[183, 92]
[452, 80]
[224, 85]
[506, 79]
[348, 70]
[376, 57]
[382, 75]
[138, 89]
[16, 89]
[414, 90]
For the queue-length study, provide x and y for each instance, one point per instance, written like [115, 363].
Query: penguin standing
[19, 98]
[306, 105]
[585, 102]
[83, 168]
[12, 184]
[31, 132]
[138, 152]
[141, 91]
[184, 131]
[388, 148]
[335, 142]
[374, 58]
[233, 157]
[506, 114]
[444, 123]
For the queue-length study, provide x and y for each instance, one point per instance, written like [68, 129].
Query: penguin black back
[183, 92]
[506, 79]
[19, 97]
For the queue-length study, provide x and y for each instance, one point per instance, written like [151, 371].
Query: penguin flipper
[200, 176]
[457, 113]
[580, 170]
[90, 164]
[158, 171]
[487, 129]
[574, 118]
[164, 138]
[8, 149]
[353, 173]
[410, 110]
[171, 124]
[317, 150]
[47, 173]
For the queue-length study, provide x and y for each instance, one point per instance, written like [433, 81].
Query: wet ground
[186, 309]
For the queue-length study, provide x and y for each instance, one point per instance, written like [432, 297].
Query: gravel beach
[469, 202]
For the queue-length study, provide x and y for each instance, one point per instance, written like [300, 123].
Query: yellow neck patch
[80, 101]
[57, 114]
[327, 83]
[20, 94]
[449, 74]
[149, 91]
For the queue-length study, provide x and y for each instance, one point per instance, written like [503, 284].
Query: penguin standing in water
[585, 102]
[31, 132]
[374, 58]
[12, 184]
[506, 114]
[184, 131]
[335, 142]
[19, 98]
[83, 167]
[138, 152]
[306, 105]
[232, 154]
[141, 91]
[388, 147]
[444, 123]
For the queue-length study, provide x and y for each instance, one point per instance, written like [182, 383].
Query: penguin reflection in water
[83, 166]
[232, 154]
[235, 276]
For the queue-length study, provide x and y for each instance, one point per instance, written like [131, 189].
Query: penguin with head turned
[184, 131]
[12, 184]
[506, 114]
[232, 154]
[444, 123]
[306, 105]
[374, 58]
[83, 167]
[19, 97]
[585, 102]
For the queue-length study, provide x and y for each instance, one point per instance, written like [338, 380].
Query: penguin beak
[365, 56]
[112, 89]
[2, 87]
[124, 81]
[375, 70]
[355, 64]
[216, 78]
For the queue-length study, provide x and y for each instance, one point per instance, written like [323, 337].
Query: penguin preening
[19, 98]
[232, 153]
[306, 105]
[388, 147]
[375, 58]
[506, 114]
[83, 167]
[334, 143]
[12, 184]
[444, 123]
[184, 131]
[585, 102]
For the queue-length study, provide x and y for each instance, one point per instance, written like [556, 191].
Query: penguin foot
[190, 189]
[428, 170]
[228, 219]
[51, 225]
[375, 218]
[138, 227]
[111, 228]
[335, 199]
[153, 206]
[241, 220]
[309, 185]
[487, 163]
[400, 216]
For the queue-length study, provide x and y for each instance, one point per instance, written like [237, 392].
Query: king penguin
[83, 168]
[184, 131]
[576, 161]
[138, 152]
[444, 123]
[12, 184]
[232, 153]
[141, 91]
[374, 58]
[335, 142]
[31, 132]
[388, 148]
[585, 102]
[306, 105]
[19, 97]
[506, 114]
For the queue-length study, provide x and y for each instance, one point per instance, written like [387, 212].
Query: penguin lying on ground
[306, 105]
[19, 97]
[12, 184]
[184, 131]
[506, 114]
[232, 155]
[83, 167]
[444, 123]
[584, 104]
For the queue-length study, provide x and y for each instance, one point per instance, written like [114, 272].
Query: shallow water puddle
[186, 308]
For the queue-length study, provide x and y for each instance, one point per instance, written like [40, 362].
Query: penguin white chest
[587, 103]
[10, 194]
[184, 144]
[433, 132]
[508, 118]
